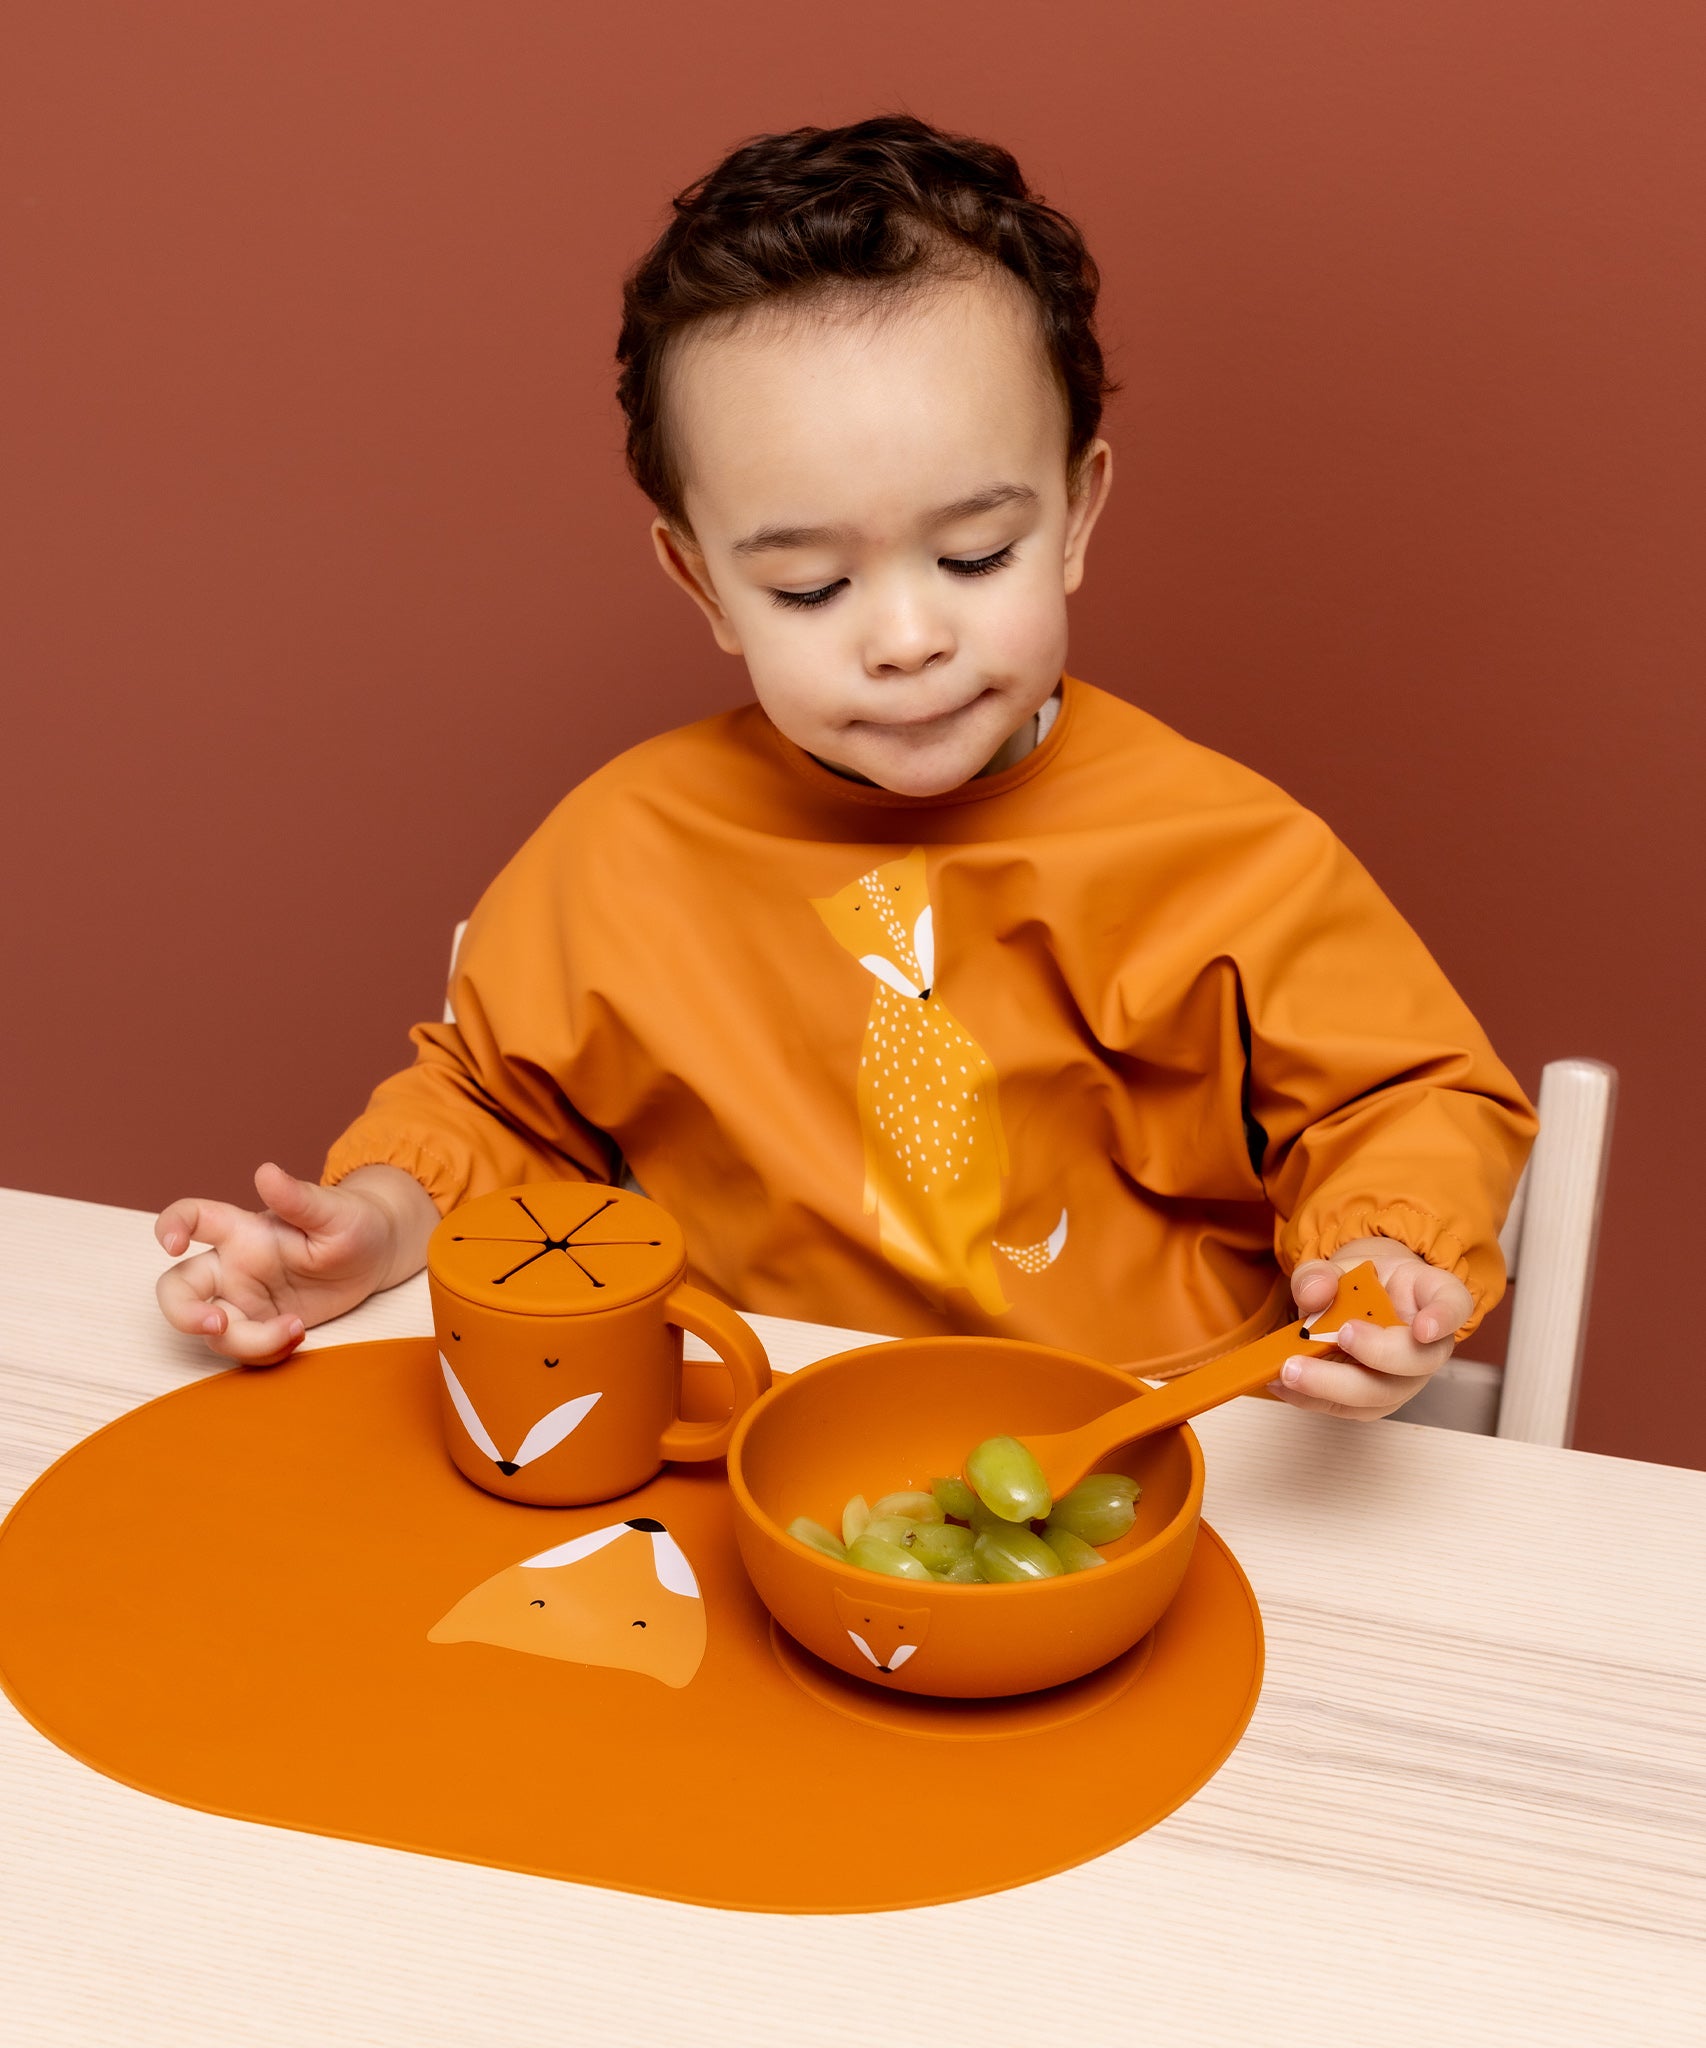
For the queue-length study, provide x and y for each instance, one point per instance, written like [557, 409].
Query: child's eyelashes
[809, 600]
[984, 565]
[806, 600]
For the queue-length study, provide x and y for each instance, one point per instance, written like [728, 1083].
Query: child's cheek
[1022, 631]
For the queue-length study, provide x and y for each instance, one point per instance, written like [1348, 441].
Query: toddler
[936, 990]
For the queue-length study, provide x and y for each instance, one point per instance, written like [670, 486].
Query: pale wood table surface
[1471, 1805]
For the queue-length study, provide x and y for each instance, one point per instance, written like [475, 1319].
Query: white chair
[1550, 1241]
[455, 948]
[1552, 1231]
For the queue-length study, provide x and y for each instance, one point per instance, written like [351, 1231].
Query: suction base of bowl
[911, 1713]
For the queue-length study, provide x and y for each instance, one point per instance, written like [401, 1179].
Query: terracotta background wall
[325, 580]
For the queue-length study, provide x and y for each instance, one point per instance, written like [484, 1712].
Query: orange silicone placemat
[229, 1598]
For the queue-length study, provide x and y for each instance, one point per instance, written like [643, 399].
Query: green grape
[954, 1497]
[938, 1544]
[888, 1528]
[983, 1519]
[804, 1530]
[854, 1516]
[872, 1554]
[1012, 1554]
[964, 1571]
[911, 1507]
[1074, 1553]
[1008, 1480]
[1099, 1509]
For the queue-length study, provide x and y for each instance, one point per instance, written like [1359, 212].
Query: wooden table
[1471, 1806]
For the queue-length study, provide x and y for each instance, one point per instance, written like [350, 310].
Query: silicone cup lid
[556, 1248]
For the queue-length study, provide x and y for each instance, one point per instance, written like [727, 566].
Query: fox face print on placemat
[623, 1596]
[928, 1100]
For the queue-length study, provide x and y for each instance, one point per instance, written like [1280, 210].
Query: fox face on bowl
[890, 1417]
[558, 1310]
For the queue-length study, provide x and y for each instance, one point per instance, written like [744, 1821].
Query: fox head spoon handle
[1067, 1455]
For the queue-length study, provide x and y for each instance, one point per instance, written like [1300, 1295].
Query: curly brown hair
[888, 201]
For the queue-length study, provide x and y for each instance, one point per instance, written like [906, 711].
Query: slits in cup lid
[556, 1248]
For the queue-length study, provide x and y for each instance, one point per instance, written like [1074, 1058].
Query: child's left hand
[1382, 1368]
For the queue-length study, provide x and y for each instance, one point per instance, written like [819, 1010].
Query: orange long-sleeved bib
[1090, 1052]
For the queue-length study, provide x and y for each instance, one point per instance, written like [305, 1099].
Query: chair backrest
[455, 945]
[1550, 1241]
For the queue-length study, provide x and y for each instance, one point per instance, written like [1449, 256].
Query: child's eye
[984, 565]
[806, 600]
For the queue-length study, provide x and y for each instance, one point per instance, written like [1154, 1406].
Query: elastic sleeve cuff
[1480, 1268]
[373, 1148]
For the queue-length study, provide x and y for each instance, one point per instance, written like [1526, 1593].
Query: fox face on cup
[557, 1421]
[558, 1310]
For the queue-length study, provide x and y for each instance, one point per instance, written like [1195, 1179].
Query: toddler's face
[881, 524]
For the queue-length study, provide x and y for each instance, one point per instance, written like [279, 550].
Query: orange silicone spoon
[1067, 1455]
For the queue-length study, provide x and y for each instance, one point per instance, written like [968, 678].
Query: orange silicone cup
[563, 1398]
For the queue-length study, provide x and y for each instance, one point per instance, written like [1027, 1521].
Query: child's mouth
[920, 726]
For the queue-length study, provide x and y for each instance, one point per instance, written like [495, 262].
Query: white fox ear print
[477, 1430]
[575, 1549]
[549, 1431]
[924, 947]
[675, 1574]
[886, 971]
[545, 1435]
[669, 1560]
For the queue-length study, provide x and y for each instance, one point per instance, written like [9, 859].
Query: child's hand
[310, 1255]
[1382, 1368]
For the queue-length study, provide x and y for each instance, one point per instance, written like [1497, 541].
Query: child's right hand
[312, 1253]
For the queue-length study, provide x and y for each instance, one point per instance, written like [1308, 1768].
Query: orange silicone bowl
[894, 1415]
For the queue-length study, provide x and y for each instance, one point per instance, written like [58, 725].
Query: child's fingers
[186, 1294]
[1392, 1349]
[303, 1203]
[1314, 1284]
[1340, 1386]
[190, 1300]
[183, 1223]
[248, 1342]
[1443, 1305]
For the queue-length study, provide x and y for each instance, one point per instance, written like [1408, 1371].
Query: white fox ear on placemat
[675, 1574]
[576, 1548]
[669, 1560]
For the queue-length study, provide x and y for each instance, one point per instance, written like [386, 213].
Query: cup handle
[736, 1343]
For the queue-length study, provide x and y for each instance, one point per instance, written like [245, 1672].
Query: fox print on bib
[928, 1100]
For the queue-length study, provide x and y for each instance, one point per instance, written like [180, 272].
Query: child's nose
[905, 638]
[907, 662]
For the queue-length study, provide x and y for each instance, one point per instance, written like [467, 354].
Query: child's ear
[678, 554]
[1091, 482]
